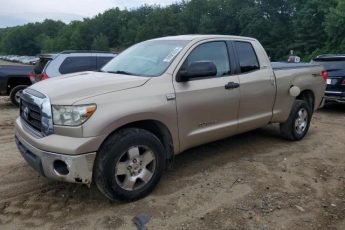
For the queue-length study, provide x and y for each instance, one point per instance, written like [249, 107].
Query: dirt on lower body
[252, 181]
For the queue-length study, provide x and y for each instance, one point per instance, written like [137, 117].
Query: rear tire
[129, 164]
[297, 125]
[16, 93]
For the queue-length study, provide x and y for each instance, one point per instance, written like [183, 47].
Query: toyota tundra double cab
[121, 127]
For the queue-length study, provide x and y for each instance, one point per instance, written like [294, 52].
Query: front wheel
[129, 164]
[297, 125]
[15, 94]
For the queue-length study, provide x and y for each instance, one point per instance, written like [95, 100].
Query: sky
[19, 12]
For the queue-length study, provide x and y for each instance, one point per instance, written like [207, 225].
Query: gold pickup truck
[120, 127]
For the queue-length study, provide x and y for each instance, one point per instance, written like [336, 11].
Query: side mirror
[197, 69]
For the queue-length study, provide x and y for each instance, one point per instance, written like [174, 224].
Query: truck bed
[286, 65]
[14, 70]
[305, 75]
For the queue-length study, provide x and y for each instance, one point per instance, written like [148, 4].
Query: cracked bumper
[79, 167]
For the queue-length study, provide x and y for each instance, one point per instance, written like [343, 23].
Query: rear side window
[40, 65]
[101, 61]
[78, 64]
[216, 52]
[247, 58]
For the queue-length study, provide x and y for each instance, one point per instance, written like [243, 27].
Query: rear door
[257, 88]
[207, 111]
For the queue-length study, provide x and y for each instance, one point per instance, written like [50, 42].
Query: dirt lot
[252, 181]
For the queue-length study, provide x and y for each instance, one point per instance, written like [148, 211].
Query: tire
[297, 125]
[15, 94]
[129, 155]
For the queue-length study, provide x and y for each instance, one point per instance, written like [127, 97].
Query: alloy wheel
[135, 168]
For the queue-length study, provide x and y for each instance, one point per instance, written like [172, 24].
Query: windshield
[331, 65]
[149, 58]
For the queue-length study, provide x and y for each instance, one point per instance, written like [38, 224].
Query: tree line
[308, 27]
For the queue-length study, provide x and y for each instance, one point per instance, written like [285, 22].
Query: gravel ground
[252, 181]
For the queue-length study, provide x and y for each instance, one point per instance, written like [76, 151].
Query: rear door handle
[232, 85]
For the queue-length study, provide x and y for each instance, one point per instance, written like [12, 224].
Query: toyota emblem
[26, 113]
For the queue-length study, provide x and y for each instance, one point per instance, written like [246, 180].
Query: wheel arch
[308, 96]
[160, 130]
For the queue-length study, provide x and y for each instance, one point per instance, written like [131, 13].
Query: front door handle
[232, 85]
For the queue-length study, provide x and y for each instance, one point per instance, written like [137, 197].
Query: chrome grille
[35, 111]
[31, 113]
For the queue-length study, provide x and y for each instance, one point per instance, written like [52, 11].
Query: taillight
[343, 82]
[325, 75]
[44, 76]
[31, 76]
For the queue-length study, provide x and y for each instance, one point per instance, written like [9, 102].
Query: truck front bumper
[57, 157]
[69, 168]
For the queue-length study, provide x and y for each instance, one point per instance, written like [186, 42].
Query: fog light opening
[61, 167]
[78, 180]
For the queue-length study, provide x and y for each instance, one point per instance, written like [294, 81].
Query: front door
[207, 107]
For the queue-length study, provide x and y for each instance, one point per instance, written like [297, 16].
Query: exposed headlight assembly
[72, 115]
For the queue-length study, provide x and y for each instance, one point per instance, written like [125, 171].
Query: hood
[70, 88]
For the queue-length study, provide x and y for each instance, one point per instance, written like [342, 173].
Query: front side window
[247, 57]
[78, 64]
[215, 52]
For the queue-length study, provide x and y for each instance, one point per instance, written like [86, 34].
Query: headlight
[72, 115]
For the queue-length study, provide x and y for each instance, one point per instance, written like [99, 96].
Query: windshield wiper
[120, 72]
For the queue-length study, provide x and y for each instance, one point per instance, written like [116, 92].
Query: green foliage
[100, 43]
[309, 27]
[335, 22]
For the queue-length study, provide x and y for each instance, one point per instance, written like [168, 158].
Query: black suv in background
[54, 65]
[335, 66]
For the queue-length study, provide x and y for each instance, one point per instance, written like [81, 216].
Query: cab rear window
[247, 57]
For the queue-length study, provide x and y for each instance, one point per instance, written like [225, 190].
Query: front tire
[129, 164]
[15, 94]
[297, 125]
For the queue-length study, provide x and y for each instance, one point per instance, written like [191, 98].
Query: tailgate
[336, 81]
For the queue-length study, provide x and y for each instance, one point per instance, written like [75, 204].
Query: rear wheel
[129, 164]
[297, 125]
[15, 94]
